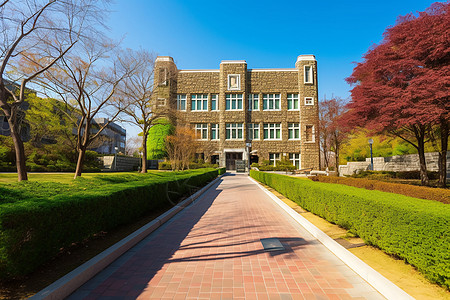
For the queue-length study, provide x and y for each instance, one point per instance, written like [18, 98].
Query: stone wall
[124, 163]
[396, 163]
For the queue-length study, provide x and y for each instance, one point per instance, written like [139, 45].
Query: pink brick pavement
[212, 250]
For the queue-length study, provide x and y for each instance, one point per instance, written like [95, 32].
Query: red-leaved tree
[402, 86]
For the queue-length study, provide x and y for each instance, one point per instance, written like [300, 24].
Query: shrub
[164, 165]
[222, 171]
[422, 192]
[38, 219]
[386, 175]
[284, 165]
[416, 175]
[415, 230]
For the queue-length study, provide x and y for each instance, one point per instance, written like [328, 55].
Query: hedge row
[415, 230]
[34, 230]
[422, 192]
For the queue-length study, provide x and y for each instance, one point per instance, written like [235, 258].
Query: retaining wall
[398, 163]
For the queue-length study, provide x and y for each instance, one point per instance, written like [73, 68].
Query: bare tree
[137, 90]
[332, 132]
[133, 146]
[35, 35]
[89, 80]
[181, 147]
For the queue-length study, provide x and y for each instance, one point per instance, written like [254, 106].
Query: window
[253, 131]
[295, 159]
[272, 131]
[234, 82]
[234, 131]
[274, 157]
[308, 74]
[293, 102]
[161, 102]
[163, 76]
[181, 102]
[309, 133]
[201, 131]
[309, 101]
[294, 131]
[199, 102]
[214, 105]
[233, 102]
[271, 102]
[253, 102]
[214, 131]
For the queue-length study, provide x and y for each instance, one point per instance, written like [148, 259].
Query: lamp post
[115, 158]
[371, 156]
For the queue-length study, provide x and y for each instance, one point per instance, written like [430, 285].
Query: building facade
[245, 114]
[111, 138]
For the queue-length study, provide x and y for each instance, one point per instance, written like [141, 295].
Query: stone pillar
[165, 85]
[232, 80]
[309, 112]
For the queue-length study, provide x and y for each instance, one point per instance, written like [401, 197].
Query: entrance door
[231, 158]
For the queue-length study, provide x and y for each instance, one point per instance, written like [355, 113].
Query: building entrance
[231, 158]
[254, 159]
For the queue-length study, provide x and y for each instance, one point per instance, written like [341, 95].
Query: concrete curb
[67, 284]
[375, 279]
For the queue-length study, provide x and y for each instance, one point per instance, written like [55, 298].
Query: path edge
[383, 285]
[67, 284]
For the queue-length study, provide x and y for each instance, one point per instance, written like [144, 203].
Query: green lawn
[66, 177]
[44, 185]
[52, 211]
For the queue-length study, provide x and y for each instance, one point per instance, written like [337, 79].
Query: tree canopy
[402, 85]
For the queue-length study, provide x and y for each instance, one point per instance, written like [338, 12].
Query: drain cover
[272, 244]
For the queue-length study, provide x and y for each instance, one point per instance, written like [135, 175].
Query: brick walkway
[212, 250]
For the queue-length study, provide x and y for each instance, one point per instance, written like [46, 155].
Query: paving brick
[212, 250]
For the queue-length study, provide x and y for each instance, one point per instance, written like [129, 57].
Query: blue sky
[267, 34]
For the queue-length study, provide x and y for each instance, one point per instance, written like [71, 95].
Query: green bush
[222, 171]
[165, 165]
[386, 175]
[415, 230]
[282, 165]
[38, 219]
[416, 175]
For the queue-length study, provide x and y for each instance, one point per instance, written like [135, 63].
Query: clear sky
[267, 34]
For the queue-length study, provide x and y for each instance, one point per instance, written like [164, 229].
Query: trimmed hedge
[441, 195]
[415, 230]
[35, 229]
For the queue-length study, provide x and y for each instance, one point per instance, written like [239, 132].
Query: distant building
[246, 114]
[111, 137]
[24, 126]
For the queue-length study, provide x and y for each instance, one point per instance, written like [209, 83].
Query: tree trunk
[443, 154]
[336, 164]
[20, 154]
[80, 161]
[144, 153]
[423, 165]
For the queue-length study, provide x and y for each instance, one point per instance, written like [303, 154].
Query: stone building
[245, 114]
